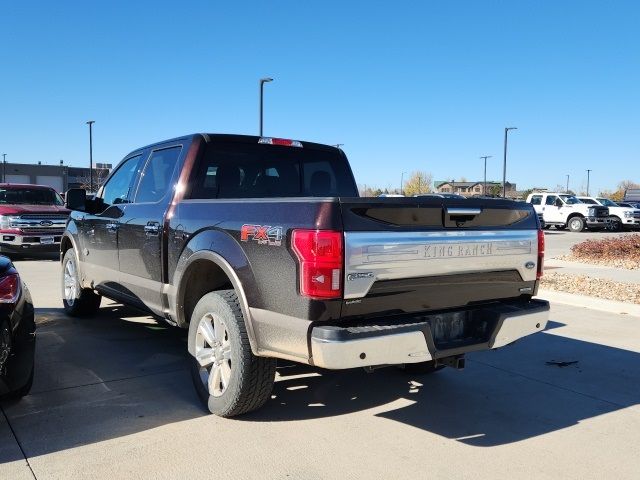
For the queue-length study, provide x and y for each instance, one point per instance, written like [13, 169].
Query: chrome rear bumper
[431, 337]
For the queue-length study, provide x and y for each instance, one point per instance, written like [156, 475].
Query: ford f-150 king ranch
[261, 248]
[32, 218]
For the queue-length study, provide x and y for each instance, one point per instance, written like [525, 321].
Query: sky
[422, 85]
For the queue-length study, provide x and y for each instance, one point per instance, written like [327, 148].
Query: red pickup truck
[32, 218]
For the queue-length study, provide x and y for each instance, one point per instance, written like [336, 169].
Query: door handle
[152, 229]
[111, 227]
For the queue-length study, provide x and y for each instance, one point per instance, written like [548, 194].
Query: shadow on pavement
[100, 379]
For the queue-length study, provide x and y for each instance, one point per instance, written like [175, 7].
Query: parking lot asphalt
[113, 399]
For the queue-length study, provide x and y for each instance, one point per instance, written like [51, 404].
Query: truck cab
[563, 210]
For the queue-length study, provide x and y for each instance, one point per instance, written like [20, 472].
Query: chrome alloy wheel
[70, 283]
[213, 353]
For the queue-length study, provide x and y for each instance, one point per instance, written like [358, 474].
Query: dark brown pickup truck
[263, 250]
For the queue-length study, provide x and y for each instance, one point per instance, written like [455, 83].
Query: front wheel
[77, 301]
[228, 378]
[576, 224]
[614, 224]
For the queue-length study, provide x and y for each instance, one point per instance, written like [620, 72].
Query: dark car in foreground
[17, 333]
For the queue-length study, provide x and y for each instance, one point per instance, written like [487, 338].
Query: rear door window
[244, 170]
[536, 200]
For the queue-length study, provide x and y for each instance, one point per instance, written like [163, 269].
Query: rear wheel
[228, 378]
[77, 301]
[576, 224]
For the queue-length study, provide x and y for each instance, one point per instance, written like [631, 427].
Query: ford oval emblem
[46, 223]
[529, 265]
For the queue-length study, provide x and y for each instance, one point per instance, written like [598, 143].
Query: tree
[99, 177]
[494, 189]
[418, 182]
[627, 185]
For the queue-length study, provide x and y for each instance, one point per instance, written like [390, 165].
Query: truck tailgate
[405, 255]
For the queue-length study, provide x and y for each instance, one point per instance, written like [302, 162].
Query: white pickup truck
[563, 210]
[621, 217]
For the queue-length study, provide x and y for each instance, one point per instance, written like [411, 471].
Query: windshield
[607, 203]
[29, 196]
[570, 199]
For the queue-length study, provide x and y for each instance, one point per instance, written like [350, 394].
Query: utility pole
[402, 183]
[262, 82]
[4, 168]
[484, 186]
[567, 189]
[90, 123]
[588, 172]
[504, 165]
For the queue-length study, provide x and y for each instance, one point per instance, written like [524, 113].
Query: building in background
[468, 189]
[60, 177]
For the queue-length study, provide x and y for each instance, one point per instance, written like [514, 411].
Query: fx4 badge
[263, 234]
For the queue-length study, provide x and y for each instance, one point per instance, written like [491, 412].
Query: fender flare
[225, 266]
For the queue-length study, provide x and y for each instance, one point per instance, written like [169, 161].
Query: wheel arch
[206, 271]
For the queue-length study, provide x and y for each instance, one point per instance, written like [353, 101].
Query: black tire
[83, 302]
[250, 378]
[422, 368]
[576, 224]
[24, 390]
[615, 224]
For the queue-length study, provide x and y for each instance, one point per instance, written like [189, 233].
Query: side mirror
[76, 199]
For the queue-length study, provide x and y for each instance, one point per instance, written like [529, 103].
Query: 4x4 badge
[263, 234]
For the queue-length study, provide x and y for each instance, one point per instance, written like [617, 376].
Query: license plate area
[47, 240]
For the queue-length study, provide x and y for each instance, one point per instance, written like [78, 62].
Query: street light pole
[4, 168]
[504, 165]
[484, 186]
[262, 82]
[567, 189]
[402, 182]
[588, 172]
[90, 123]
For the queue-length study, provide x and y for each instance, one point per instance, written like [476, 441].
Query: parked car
[32, 218]
[261, 248]
[17, 333]
[629, 204]
[390, 195]
[566, 211]
[620, 217]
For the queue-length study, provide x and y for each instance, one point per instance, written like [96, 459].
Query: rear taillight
[320, 255]
[540, 254]
[9, 288]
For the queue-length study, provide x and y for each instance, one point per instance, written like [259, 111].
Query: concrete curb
[590, 302]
